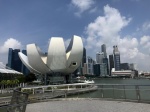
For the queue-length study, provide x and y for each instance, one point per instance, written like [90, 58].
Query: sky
[125, 23]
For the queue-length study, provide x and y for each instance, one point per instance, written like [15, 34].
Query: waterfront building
[105, 61]
[122, 73]
[14, 61]
[132, 66]
[100, 69]
[103, 69]
[116, 57]
[84, 57]
[58, 60]
[111, 63]
[99, 57]
[96, 69]
[124, 66]
[103, 49]
[90, 63]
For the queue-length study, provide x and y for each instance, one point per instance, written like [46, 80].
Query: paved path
[87, 105]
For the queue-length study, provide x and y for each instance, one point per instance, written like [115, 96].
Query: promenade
[87, 105]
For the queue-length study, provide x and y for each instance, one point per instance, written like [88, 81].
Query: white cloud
[82, 5]
[146, 26]
[106, 30]
[144, 40]
[10, 43]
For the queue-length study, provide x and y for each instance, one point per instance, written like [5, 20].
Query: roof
[7, 70]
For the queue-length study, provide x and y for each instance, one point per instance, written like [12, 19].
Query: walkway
[87, 105]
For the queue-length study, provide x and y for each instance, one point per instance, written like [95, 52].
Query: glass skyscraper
[116, 58]
[14, 61]
[103, 49]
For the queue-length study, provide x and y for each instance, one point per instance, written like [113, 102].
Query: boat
[89, 82]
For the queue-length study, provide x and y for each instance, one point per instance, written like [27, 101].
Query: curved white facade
[58, 59]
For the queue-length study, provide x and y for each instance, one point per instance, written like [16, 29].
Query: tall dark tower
[103, 49]
[14, 61]
[116, 58]
[111, 63]
[84, 57]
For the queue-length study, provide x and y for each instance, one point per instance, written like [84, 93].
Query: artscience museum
[58, 59]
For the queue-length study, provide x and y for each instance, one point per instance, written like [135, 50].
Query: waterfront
[122, 81]
[125, 89]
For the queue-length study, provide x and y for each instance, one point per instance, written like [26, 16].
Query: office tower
[90, 63]
[132, 66]
[103, 49]
[14, 61]
[96, 68]
[124, 66]
[111, 63]
[105, 61]
[100, 70]
[116, 58]
[24, 69]
[84, 57]
[99, 57]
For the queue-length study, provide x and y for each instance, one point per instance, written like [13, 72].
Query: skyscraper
[99, 57]
[84, 57]
[111, 63]
[14, 61]
[103, 49]
[116, 58]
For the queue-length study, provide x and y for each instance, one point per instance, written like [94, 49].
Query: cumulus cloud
[10, 43]
[82, 5]
[106, 30]
[146, 26]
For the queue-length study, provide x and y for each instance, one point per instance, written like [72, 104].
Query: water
[120, 92]
[122, 81]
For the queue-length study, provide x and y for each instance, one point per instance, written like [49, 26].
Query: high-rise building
[96, 69]
[111, 63]
[84, 57]
[116, 58]
[105, 61]
[90, 63]
[132, 66]
[103, 49]
[99, 57]
[14, 61]
[124, 66]
[100, 70]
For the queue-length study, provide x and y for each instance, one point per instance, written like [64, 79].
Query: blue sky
[125, 23]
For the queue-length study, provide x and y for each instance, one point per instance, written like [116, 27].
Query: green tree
[21, 78]
[30, 77]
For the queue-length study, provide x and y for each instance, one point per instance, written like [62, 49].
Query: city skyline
[98, 22]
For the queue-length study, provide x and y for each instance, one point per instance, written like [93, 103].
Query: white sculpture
[58, 59]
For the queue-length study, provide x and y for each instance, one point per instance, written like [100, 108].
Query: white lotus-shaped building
[57, 59]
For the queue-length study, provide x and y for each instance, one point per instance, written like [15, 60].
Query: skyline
[112, 22]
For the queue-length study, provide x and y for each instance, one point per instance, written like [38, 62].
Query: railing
[128, 92]
[125, 92]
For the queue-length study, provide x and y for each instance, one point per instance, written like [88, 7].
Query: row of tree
[17, 80]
